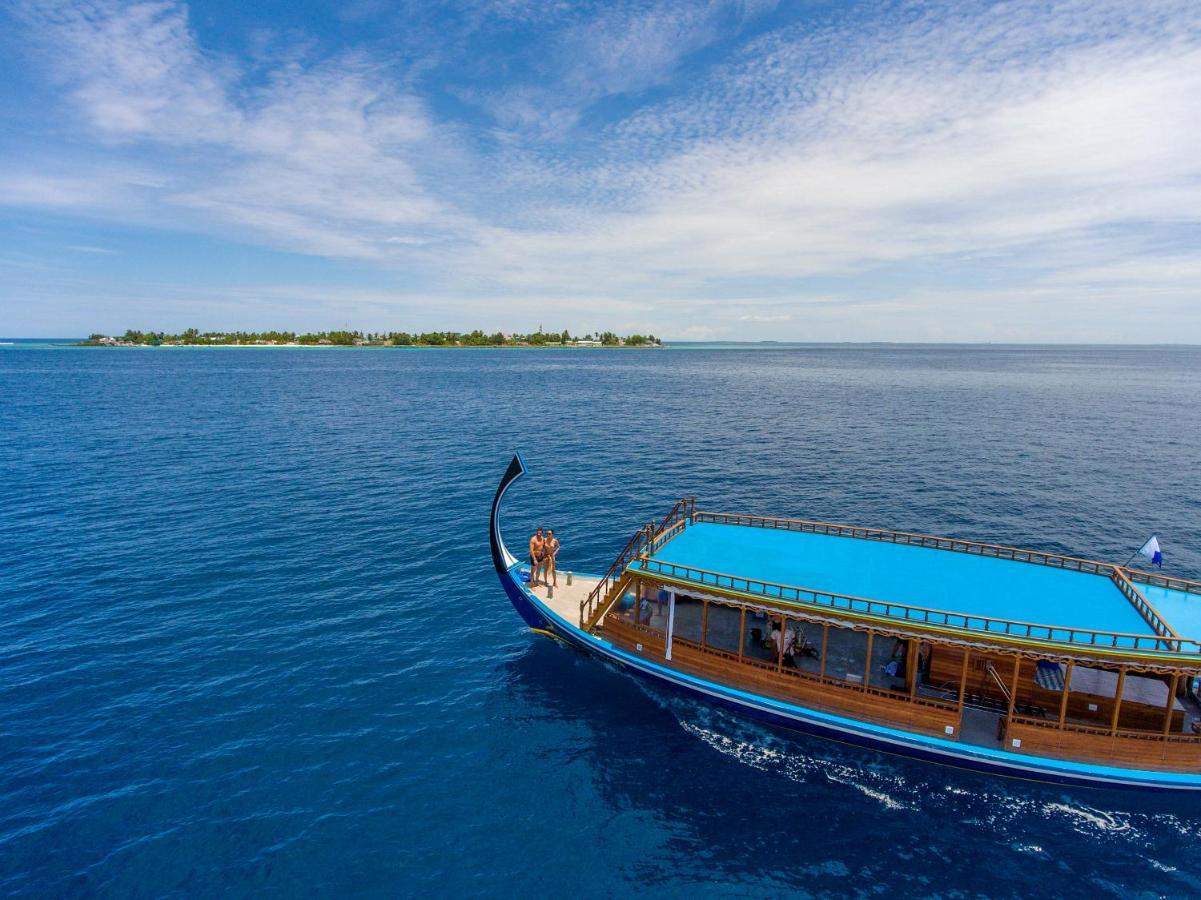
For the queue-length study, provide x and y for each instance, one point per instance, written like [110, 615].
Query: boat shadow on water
[761, 805]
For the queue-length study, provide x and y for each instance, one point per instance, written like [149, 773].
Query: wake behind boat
[1014, 662]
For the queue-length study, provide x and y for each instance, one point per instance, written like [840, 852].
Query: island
[193, 337]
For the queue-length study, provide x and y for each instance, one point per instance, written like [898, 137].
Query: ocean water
[251, 640]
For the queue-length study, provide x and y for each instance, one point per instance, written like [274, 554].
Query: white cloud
[318, 159]
[957, 163]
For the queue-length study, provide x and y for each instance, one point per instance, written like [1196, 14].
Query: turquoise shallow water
[252, 642]
[918, 576]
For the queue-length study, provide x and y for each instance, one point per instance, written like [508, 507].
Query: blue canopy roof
[965, 583]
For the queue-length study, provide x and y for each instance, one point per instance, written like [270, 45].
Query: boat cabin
[991, 646]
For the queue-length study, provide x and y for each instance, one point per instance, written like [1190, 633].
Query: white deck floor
[566, 601]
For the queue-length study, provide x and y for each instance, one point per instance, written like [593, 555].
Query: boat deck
[567, 599]
[983, 588]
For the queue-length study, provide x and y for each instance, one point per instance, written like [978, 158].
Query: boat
[983, 657]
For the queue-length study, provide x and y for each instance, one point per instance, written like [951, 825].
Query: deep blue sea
[251, 641]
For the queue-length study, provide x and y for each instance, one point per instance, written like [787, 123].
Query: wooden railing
[1073, 728]
[879, 609]
[1163, 581]
[598, 600]
[648, 538]
[1139, 602]
[996, 551]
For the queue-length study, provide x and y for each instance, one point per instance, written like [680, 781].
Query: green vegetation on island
[192, 337]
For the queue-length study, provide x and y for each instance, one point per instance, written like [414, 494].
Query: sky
[880, 171]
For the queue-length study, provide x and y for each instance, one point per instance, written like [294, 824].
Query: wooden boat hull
[772, 711]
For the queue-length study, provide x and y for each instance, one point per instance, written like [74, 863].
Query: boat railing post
[821, 672]
[741, 632]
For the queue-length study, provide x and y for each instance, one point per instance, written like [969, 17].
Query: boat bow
[504, 561]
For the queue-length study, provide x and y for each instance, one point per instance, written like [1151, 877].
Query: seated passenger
[788, 636]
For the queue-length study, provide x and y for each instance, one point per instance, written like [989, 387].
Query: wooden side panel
[628, 636]
[1179, 755]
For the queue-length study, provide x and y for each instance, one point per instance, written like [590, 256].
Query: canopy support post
[1171, 704]
[780, 648]
[1013, 690]
[867, 662]
[671, 620]
[1117, 700]
[962, 685]
[1067, 689]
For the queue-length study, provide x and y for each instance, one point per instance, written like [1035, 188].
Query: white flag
[1151, 550]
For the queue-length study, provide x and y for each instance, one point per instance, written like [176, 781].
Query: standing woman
[550, 557]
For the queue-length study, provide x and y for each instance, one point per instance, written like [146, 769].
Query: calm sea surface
[250, 639]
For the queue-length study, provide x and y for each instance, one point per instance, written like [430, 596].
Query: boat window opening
[888, 670]
[723, 624]
[758, 644]
[644, 606]
[806, 646]
[847, 655]
[689, 612]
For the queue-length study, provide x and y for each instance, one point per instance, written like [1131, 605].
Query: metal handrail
[1054, 634]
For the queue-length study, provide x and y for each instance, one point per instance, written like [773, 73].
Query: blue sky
[1019, 171]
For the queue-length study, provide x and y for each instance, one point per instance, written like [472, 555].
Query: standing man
[550, 558]
[537, 548]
